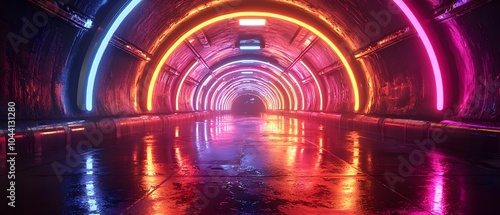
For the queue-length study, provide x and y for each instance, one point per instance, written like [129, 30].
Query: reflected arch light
[300, 23]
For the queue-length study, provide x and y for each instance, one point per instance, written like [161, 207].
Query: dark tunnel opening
[250, 106]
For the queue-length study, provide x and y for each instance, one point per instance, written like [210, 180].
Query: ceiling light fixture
[252, 22]
[249, 47]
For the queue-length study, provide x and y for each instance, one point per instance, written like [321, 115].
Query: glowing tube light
[252, 22]
[226, 102]
[232, 98]
[92, 73]
[227, 96]
[218, 89]
[264, 73]
[282, 104]
[250, 47]
[248, 62]
[300, 90]
[182, 84]
[317, 85]
[253, 14]
[261, 87]
[430, 52]
[294, 94]
[226, 65]
[224, 97]
[247, 73]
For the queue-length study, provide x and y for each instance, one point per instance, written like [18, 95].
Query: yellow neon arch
[253, 14]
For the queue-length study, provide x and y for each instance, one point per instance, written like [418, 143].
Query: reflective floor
[257, 165]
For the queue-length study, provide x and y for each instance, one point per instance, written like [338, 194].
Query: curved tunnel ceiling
[287, 35]
[388, 57]
[273, 34]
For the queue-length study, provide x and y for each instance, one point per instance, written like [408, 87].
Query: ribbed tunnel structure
[250, 106]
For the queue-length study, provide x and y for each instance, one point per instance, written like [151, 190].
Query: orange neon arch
[253, 14]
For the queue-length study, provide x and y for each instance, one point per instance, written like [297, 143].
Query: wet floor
[256, 165]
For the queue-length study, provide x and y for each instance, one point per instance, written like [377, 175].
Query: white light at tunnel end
[109, 32]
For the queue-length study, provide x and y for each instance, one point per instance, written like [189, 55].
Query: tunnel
[250, 107]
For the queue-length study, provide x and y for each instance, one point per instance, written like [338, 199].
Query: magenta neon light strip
[430, 52]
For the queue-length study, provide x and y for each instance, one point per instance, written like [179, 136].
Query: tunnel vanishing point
[250, 107]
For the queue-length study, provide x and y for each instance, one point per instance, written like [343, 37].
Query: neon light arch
[100, 42]
[230, 92]
[438, 79]
[181, 84]
[229, 88]
[264, 73]
[279, 73]
[255, 84]
[225, 104]
[229, 104]
[215, 71]
[205, 102]
[302, 24]
[275, 94]
[231, 99]
[320, 92]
